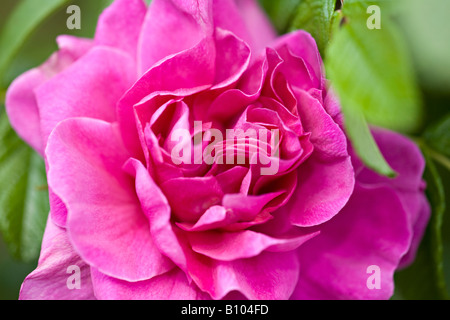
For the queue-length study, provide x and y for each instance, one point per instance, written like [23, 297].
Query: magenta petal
[329, 140]
[326, 180]
[403, 155]
[419, 218]
[167, 30]
[22, 108]
[172, 285]
[58, 210]
[105, 222]
[229, 246]
[260, 28]
[267, 276]
[372, 230]
[183, 74]
[119, 26]
[214, 217]
[189, 198]
[232, 59]
[157, 210]
[247, 207]
[303, 45]
[406, 159]
[246, 20]
[50, 279]
[90, 87]
[331, 104]
[323, 190]
[21, 104]
[76, 46]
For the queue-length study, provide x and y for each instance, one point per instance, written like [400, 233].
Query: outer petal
[245, 19]
[172, 285]
[403, 155]
[169, 29]
[105, 221]
[405, 158]
[22, 108]
[119, 26]
[419, 217]
[49, 280]
[58, 210]
[90, 87]
[372, 230]
[21, 104]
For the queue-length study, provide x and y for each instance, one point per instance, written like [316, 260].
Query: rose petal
[372, 230]
[323, 190]
[229, 246]
[189, 198]
[329, 140]
[214, 217]
[246, 20]
[405, 158]
[50, 279]
[120, 25]
[172, 285]
[402, 155]
[58, 210]
[167, 30]
[90, 87]
[232, 60]
[21, 104]
[105, 221]
[22, 109]
[157, 209]
[77, 47]
[419, 218]
[268, 276]
[183, 74]
[303, 45]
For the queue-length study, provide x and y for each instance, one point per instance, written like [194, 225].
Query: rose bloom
[138, 226]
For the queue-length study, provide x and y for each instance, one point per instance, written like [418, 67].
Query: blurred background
[419, 59]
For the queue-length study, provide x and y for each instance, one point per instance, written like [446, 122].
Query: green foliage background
[396, 77]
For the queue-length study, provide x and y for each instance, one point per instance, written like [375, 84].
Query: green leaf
[24, 204]
[425, 278]
[280, 12]
[24, 19]
[364, 143]
[315, 16]
[371, 72]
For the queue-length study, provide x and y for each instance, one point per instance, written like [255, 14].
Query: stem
[442, 159]
[435, 155]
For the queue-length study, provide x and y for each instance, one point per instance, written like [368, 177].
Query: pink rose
[139, 225]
